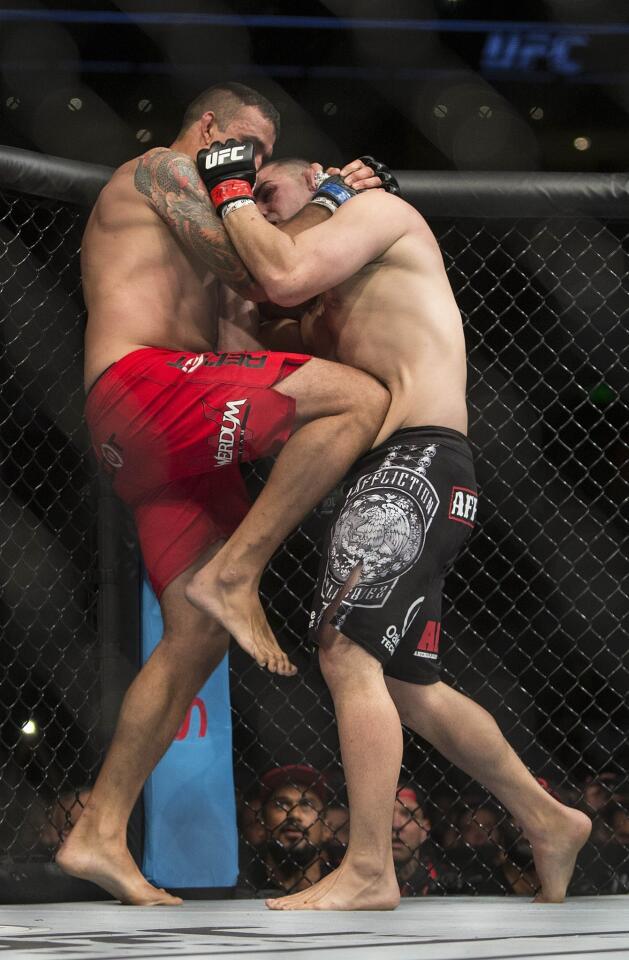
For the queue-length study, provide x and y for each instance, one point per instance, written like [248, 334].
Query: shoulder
[387, 207]
[165, 170]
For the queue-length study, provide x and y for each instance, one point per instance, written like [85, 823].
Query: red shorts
[171, 427]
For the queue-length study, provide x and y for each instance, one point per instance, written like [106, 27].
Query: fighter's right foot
[344, 889]
[239, 610]
[555, 853]
[113, 869]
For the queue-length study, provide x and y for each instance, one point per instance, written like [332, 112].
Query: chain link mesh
[49, 687]
[535, 609]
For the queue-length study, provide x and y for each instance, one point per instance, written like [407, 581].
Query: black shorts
[405, 511]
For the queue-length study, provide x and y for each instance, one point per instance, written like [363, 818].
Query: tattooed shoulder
[162, 171]
[171, 183]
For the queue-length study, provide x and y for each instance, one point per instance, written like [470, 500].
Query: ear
[208, 127]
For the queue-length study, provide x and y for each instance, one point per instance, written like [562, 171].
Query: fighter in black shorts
[405, 511]
[383, 303]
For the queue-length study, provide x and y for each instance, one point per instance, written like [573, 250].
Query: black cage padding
[434, 193]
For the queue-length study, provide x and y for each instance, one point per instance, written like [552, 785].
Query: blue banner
[190, 833]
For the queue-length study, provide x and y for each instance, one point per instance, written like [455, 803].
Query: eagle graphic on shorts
[383, 530]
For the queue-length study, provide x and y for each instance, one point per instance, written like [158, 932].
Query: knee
[344, 664]
[416, 703]
[370, 399]
[333, 655]
[201, 642]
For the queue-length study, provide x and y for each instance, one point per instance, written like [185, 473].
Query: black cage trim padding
[435, 193]
[55, 178]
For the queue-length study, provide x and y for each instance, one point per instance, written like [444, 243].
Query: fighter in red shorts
[171, 419]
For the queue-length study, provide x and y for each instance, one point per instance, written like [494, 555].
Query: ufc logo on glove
[216, 158]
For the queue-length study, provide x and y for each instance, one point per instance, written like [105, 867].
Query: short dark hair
[298, 162]
[225, 100]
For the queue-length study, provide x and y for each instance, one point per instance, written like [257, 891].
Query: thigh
[323, 388]
[179, 521]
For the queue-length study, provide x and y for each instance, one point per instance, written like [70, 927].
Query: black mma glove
[389, 183]
[332, 192]
[228, 171]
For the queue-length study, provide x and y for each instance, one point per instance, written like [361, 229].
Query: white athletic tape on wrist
[319, 178]
[236, 205]
[326, 202]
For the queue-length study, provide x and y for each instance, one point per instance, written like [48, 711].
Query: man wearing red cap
[416, 873]
[293, 799]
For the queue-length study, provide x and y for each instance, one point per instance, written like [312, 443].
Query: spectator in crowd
[252, 837]
[293, 799]
[336, 832]
[615, 852]
[416, 871]
[515, 867]
[599, 794]
[479, 826]
[491, 855]
[475, 847]
[598, 791]
[252, 829]
[617, 816]
[603, 865]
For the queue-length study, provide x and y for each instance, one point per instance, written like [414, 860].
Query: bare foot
[239, 609]
[302, 896]
[113, 869]
[344, 889]
[555, 855]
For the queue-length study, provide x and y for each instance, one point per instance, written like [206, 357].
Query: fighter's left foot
[344, 889]
[556, 853]
[237, 607]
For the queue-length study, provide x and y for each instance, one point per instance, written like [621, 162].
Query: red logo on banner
[185, 726]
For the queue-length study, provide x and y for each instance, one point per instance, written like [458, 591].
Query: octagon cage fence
[533, 614]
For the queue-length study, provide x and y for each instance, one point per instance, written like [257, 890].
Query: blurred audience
[299, 832]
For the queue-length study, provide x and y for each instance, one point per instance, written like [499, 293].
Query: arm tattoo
[176, 192]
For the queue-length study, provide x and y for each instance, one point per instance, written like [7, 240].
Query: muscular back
[152, 254]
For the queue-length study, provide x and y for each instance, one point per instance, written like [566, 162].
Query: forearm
[309, 216]
[269, 254]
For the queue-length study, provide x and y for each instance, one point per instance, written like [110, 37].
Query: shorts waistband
[123, 364]
[426, 434]
[99, 377]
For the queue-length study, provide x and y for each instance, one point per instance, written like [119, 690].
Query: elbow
[285, 290]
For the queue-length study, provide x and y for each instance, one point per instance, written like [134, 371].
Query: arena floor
[430, 929]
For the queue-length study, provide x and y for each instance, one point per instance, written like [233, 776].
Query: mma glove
[389, 183]
[332, 191]
[228, 171]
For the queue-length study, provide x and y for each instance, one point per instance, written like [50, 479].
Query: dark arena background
[510, 137]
